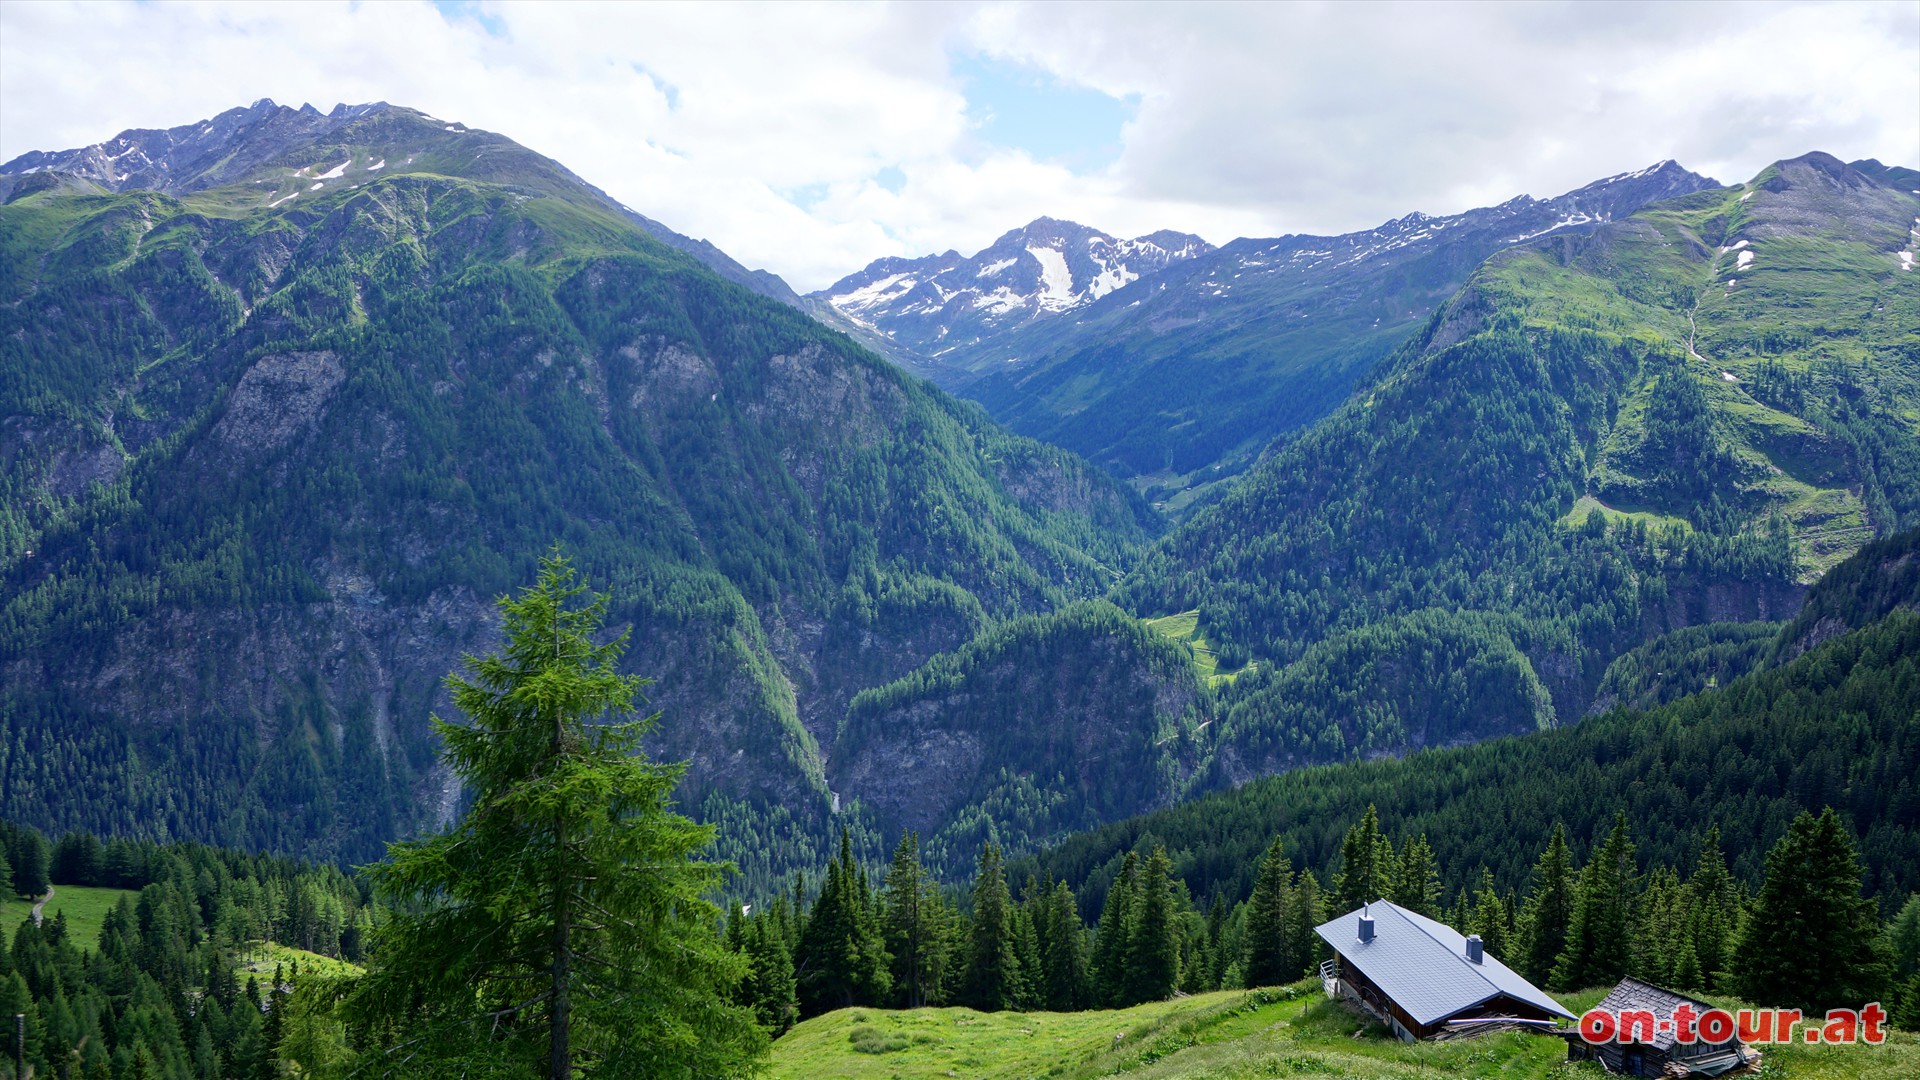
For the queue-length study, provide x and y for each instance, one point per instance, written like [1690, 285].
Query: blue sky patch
[1024, 108]
[456, 10]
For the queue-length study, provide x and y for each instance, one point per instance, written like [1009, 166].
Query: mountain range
[1185, 371]
[341, 378]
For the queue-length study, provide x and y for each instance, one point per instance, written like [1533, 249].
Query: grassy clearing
[264, 956]
[1288, 1031]
[1185, 627]
[86, 909]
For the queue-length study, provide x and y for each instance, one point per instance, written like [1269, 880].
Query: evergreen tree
[1488, 917]
[991, 981]
[1366, 864]
[842, 958]
[1270, 959]
[1027, 952]
[1416, 879]
[1548, 909]
[1716, 912]
[1599, 946]
[1309, 911]
[1110, 941]
[1217, 958]
[769, 988]
[1810, 943]
[1153, 947]
[561, 926]
[30, 857]
[908, 923]
[1065, 962]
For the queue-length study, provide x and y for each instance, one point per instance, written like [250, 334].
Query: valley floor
[1289, 1031]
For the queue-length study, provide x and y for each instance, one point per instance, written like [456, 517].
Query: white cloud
[1252, 119]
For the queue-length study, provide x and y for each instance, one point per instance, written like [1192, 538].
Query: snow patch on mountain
[1055, 279]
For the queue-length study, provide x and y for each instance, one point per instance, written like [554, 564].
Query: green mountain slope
[268, 458]
[1041, 726]
[1600, 439]
[1835, 727]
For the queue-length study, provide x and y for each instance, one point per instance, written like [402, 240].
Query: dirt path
[42, 903]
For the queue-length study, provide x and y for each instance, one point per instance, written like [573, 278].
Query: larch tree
[561, 927]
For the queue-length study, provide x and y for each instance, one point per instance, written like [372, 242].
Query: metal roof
[1423, 965]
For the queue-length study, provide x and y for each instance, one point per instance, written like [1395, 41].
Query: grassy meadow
[1292, 1031]
[86, 908]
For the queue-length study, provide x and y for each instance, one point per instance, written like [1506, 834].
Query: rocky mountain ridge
[285, 154]
[946, 308]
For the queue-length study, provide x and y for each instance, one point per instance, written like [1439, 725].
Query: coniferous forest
[453, 625]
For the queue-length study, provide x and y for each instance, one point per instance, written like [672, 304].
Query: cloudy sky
[812, 139]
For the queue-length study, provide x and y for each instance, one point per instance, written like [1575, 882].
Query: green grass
[86, 908]
[1185, 627]
[1289, 1031]
[262, 958]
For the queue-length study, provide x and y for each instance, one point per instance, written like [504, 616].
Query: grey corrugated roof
[1423, 965]
[1658, 1000]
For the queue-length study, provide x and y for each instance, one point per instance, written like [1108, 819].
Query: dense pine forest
[1782, 873]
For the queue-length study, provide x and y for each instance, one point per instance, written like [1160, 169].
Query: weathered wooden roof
[1633, 994]
[1422, 964]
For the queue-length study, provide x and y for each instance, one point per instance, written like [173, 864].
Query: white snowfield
[1056, 280]
[336, 172]
[1746, 259]
[1906, 260]
[381, 164]
[995, 267]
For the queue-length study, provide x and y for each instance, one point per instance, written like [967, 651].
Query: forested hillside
[316, 416]
[1835, 726]
[1675, 420]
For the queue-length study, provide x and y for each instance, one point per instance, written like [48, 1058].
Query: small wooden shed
[1422, 977]
[1664, 1055]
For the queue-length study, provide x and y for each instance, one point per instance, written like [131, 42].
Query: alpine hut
[1421, 977]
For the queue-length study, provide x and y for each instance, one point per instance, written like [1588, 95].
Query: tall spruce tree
[1548, 909]
[1599, 948]
[1488, 917]
[1065, 962]
[769, 988]
[842, 958]
[991, 981]
[1153, 945]
[1366, 864]
[1416, 879]
[1309, 911]
[1716, 912]
[31, 859]
[1809, 943]
[1110, 940]
[561, 927]
[908, 923]
[1270, 957]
